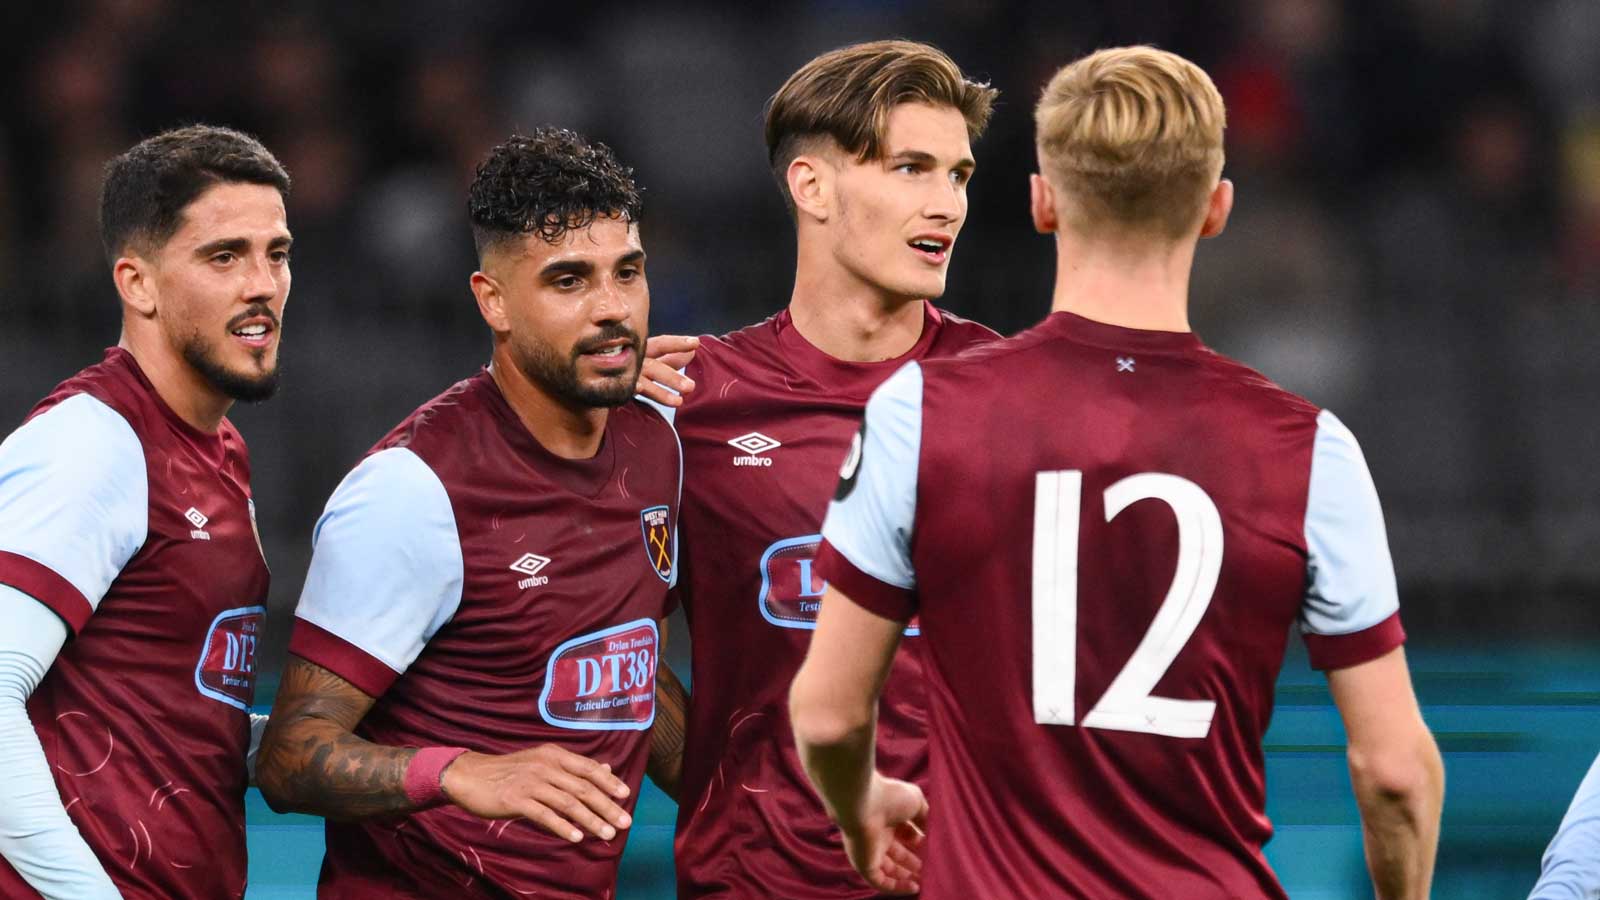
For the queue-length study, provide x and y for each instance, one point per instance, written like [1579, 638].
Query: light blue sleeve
[386, 568]
[1350, 575]
[1571, 868]
[74, 495]
[870, 522]
[37, 837]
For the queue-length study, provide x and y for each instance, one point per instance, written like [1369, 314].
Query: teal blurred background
[1518, 730]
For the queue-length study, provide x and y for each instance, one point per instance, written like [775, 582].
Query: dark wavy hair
[146, 189]
[547, 183]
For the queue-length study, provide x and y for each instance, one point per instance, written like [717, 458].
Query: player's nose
[261, 285]
[610, 303]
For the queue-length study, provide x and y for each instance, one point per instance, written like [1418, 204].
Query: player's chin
[250, 384]
[928, 285]
[609, 390]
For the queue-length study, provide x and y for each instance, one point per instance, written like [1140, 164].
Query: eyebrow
[239, 245]
[567, 267]
[928, 159]
[584, 266]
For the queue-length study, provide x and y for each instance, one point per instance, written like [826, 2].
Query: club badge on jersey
[656, 524]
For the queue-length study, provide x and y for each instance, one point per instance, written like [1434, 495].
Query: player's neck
[1131, 287]
[570, 433]
[185, 391]
[851, 320]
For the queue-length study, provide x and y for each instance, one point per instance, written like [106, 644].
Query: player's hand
[885, 847]
[659, 378]
[547, 785]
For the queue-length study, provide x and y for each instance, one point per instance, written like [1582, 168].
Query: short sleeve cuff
[1341, 651]
[344, 659]
[43, 584]
[867, 592]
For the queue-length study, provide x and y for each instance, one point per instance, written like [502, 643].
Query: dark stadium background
[1416, 246]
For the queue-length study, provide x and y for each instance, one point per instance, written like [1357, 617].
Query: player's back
[1105, 602]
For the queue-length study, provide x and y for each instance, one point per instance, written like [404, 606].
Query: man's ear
[1218, 206]
[134, 277]
[811, 185]
[1042, 204]
[491, 301]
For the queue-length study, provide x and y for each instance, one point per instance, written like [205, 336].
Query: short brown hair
[846, 94]
[1132, 136]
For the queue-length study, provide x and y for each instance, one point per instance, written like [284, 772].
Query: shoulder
[751, 344]
[1246, 386]
[647, 430]
[78, 434]
[392, 488]
[437, 426]
[980, 358]
[957, 333]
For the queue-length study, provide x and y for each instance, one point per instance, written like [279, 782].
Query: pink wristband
[425, 773]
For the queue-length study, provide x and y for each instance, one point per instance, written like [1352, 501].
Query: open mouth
[614, 354]
[256, 332]
[934, 248]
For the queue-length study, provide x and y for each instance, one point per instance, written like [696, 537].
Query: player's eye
[628, 274]
[281, 257]
[568, 282]
[224, 258]
[908, 168]
[960, 176]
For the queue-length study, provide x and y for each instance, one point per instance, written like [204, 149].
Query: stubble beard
[241, 386]
[558, 375]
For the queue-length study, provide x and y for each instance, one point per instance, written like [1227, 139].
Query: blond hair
[847, 94]
[1133, 137]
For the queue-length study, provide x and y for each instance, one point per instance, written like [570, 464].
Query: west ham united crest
[656, 523]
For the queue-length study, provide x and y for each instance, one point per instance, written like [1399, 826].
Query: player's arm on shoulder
[1395, 770]
[661, 377]
[1351, 623]
[37, 837]
[1571, 866]
[668, 733]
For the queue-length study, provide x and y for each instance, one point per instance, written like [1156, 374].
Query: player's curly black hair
[546, 183]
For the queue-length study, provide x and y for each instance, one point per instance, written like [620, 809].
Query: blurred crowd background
[1416, 243]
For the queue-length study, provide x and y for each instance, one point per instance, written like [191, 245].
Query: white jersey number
[1127, 704]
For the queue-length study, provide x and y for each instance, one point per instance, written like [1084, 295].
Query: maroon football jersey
[144, 717]
[494, 596]
[1106, 536]
[762, 436]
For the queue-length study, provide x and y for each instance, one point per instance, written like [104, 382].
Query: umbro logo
[529, 564]
[198, 520]
[753, 444]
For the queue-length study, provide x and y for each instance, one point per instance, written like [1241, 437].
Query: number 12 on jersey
[1128, 704]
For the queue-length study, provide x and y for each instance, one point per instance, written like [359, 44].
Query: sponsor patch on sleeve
[603, 681]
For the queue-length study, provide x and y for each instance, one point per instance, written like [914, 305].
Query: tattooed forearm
[311, 762]
[665, 767]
